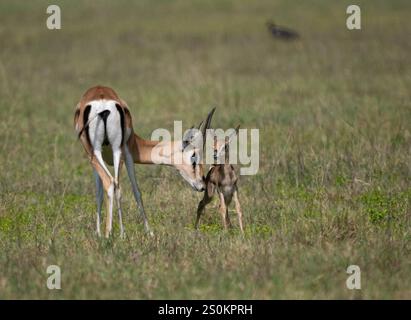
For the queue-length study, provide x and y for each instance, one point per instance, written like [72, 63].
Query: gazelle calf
[221, 178]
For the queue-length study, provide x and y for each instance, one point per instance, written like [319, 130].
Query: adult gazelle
[104, 126]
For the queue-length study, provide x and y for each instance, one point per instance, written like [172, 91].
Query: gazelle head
[192, 149]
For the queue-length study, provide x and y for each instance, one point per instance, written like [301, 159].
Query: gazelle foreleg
[238, 209]
[137, 194]
[200, 210]
[208, 196]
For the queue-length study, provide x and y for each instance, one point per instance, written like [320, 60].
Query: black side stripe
[121, 111]
[85, 120]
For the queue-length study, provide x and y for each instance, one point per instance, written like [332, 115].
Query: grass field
[334, 114]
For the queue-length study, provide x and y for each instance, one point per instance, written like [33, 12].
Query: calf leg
[223, 209]
[238, 209]
[227, 201]
[227, 218]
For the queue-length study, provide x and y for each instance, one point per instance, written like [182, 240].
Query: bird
[281, 32]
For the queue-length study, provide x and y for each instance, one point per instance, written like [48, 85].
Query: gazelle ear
[188, 137]
[191, 136]
[199, 126]
[76, 118]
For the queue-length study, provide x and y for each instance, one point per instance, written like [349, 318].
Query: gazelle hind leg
[109, 212]
[238, 209]
[108, 184]
[99, 158]
[117, 169]
[120, 213]
[136, 192]
[105, 177]
[102, 170]
[99, 200]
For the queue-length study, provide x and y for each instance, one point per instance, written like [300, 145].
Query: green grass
[334, 115]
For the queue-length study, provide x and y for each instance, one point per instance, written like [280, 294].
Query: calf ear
[227, 141]
[231, 136]
[237, 129]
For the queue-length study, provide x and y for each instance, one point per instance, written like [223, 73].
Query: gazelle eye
[194, 159]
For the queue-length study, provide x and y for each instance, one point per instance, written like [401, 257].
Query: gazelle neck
[142, 151]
